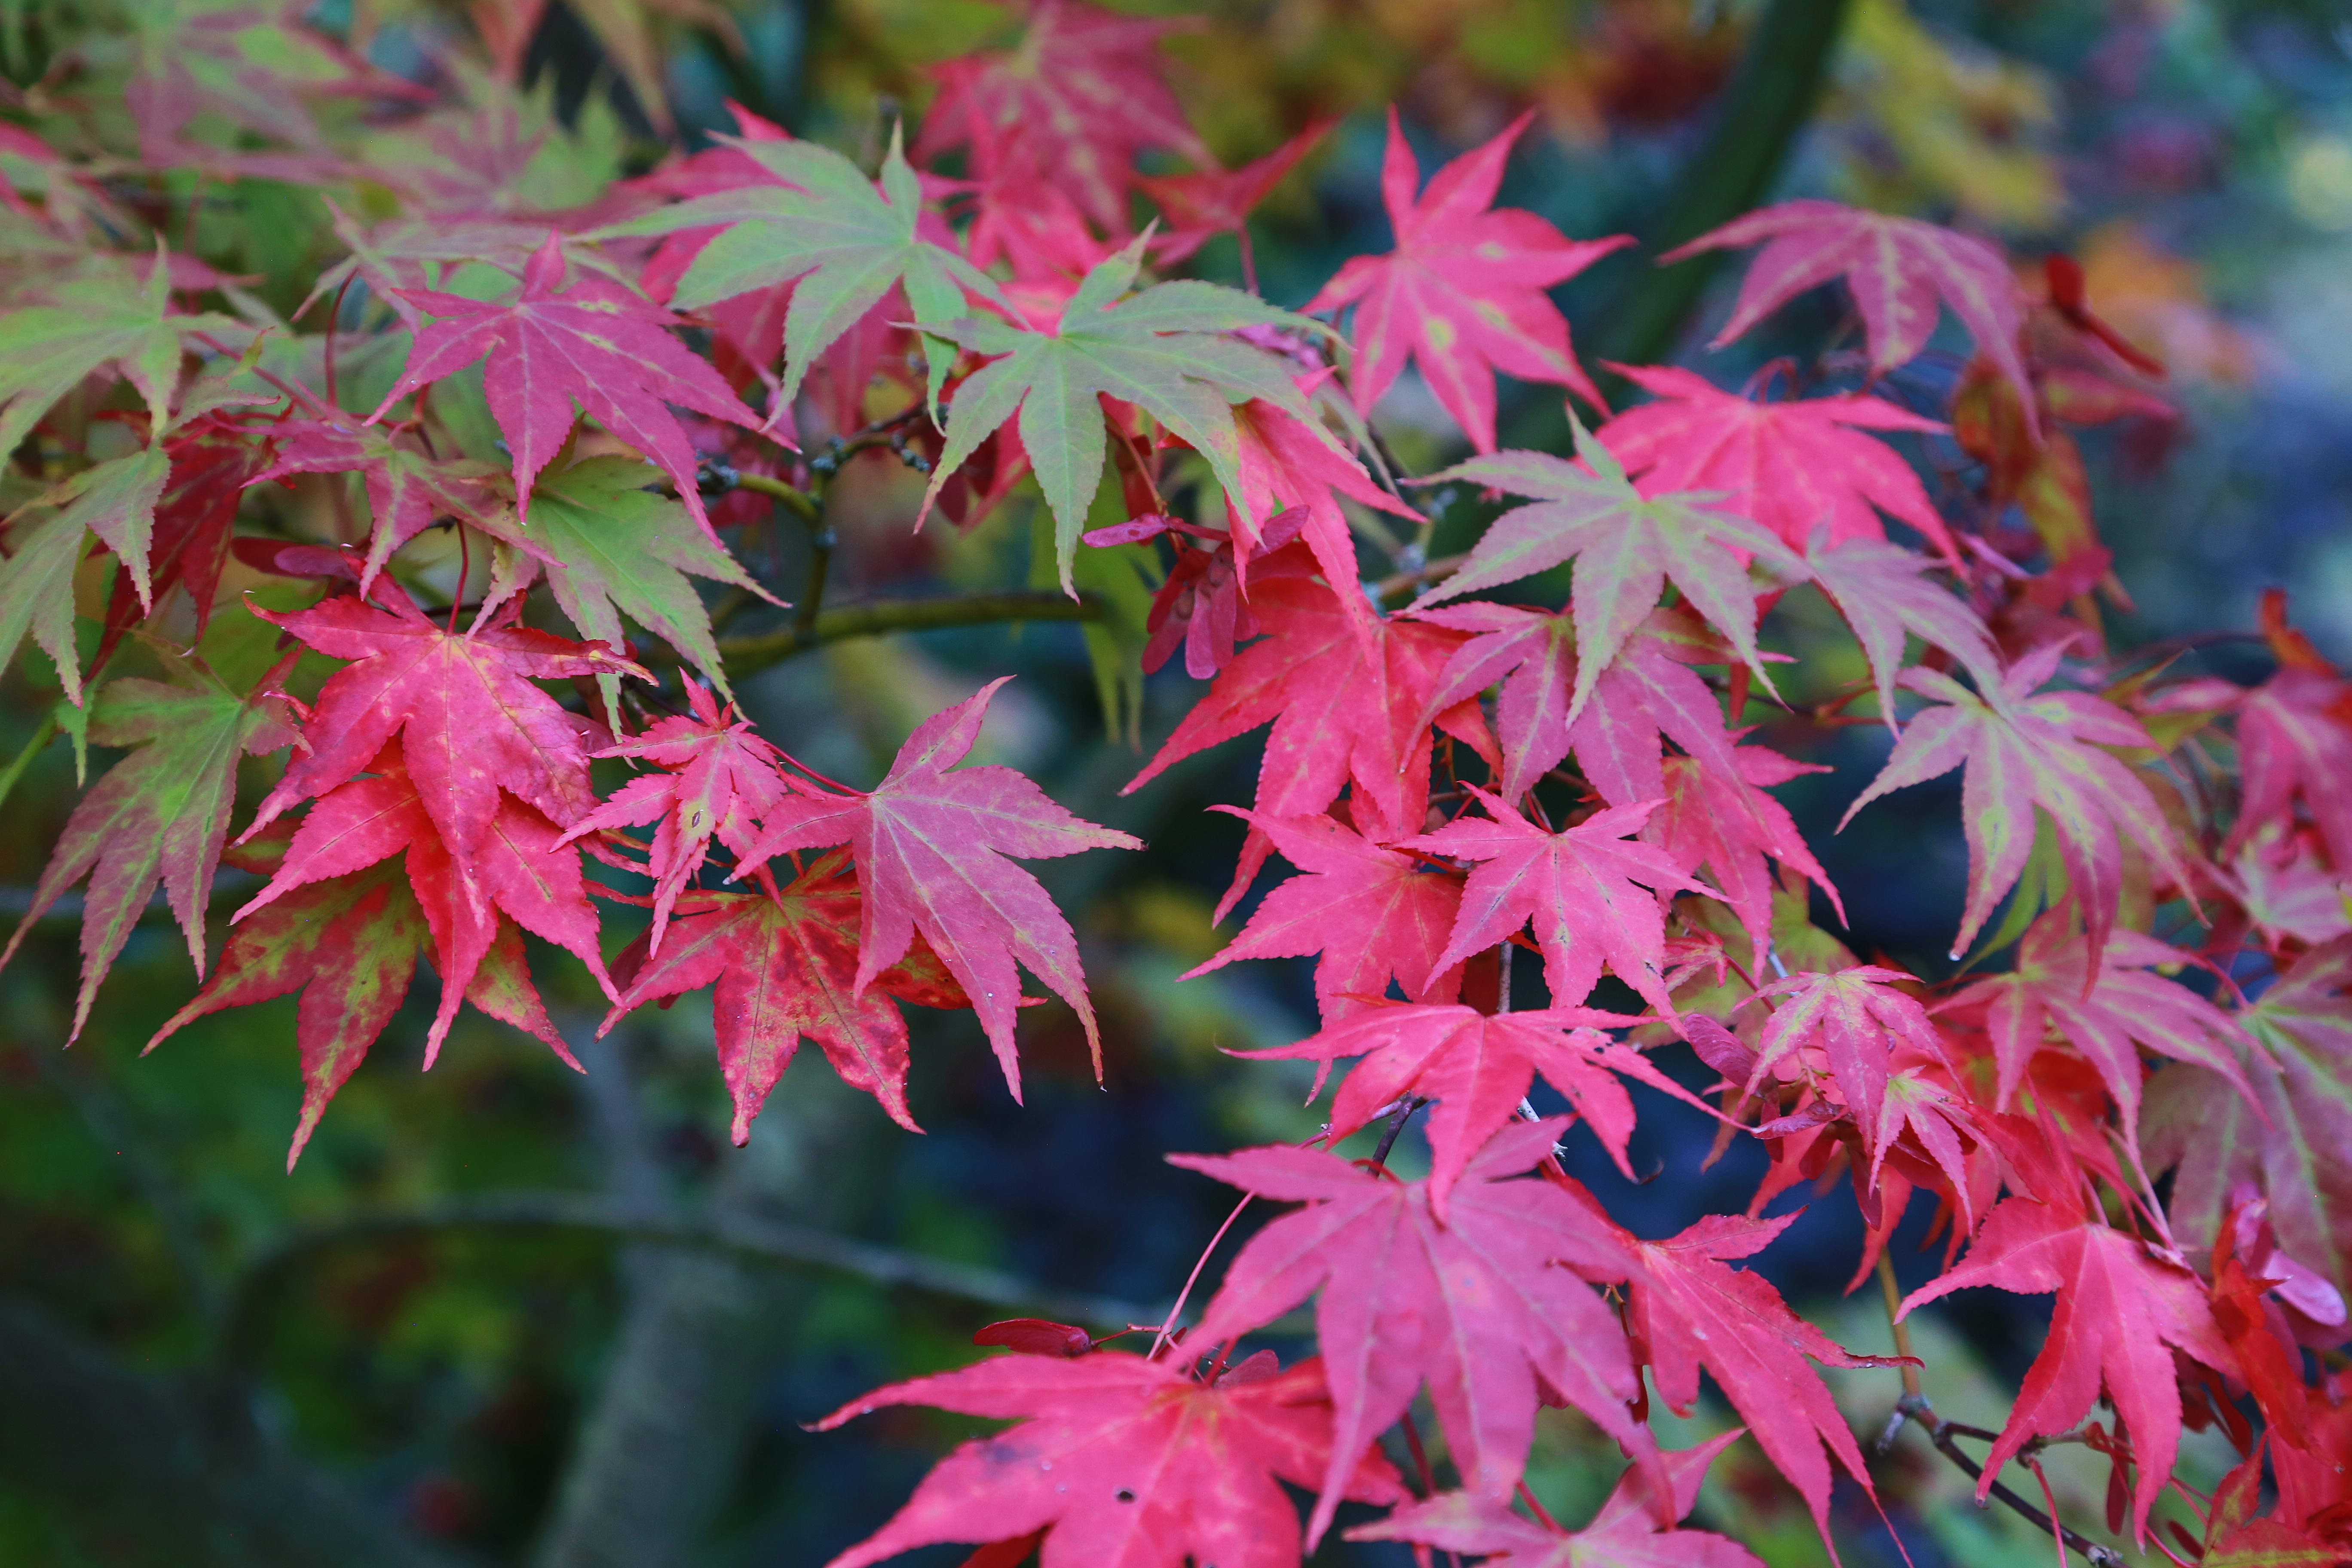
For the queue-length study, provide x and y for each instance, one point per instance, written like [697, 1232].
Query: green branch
[748, 655]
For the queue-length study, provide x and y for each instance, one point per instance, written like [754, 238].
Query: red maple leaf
[1469, 1305]
[1375, 914]
[718, 781]
[1898, 268]
[521, 868]
[931, 846]
[1796, 466]
[2029, 754]
[1624, 1533]
[1463, 293]
[1882, 591]
[2120, 1312]
[1531, 654]
[1289, 471]
[407, 489]
[213, 459]
[598, 344]
[785, 964]
[1858, 1021]
[348, 945]
[1214, 201]
[1723, 820]
[1069, 110]
[2107, 1014]
[1479, 1068]
[2294, 732]
[469, 721]
[1691, 1311]
[1119, 1460]
[1344, 708]
[1589, 891]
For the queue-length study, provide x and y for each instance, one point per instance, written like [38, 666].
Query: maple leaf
[1468, 1305]
[597, 344]
[2108, 1012]
[1531, 654]
[187, 544]
[469, 721]
[520, 869]
[1796, 466]
[1627, 547]
[1723, 820]
[1624, 1533]
[409, 490]
[158, 816]
[2030, 751]
[1375, 914]
[1857, 1020]
[1069, 108]
[348, 945]
[786, 968]
[2295, 735]
[2294, 1140]
[1593, 896]
[608, 543]
[1165, 350]
[1214, 201]
[2120, 1312]
[1121, 1459]
[818, 219]
[1479, 1068]
[116, 500]
[1897, 268]
[718, 781]
[1882, 591]
[116, 318]
[931, 846]
[1344, 707]
[1463, 293]
[1690, 1311]
[1294, 472]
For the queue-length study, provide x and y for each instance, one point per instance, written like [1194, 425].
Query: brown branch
[1945, 1435]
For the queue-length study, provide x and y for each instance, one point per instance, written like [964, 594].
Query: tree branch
[245, 1324]
[1945, 1435]
[748, 655]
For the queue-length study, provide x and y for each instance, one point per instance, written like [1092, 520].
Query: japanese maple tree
[496, 681]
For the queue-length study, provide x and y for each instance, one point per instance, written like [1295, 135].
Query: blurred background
[205, 1361]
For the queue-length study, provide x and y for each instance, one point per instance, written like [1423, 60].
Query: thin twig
[244, 1326]
[1893, 1295]
[1397, 1119]
[1945, 1435]
[799, 500]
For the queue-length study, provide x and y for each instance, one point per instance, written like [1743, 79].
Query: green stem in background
[798, 499]
[1768, 101]
[806, 618]
[43, 734]
[748, 655]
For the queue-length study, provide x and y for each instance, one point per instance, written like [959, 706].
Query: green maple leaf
[613, 547]
[110, 319]
[160, 815]
[1626, 548]
[847, 243]
[116, 500]
[1164, 350]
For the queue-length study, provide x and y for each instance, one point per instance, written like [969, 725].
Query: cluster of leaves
[1468, 759]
